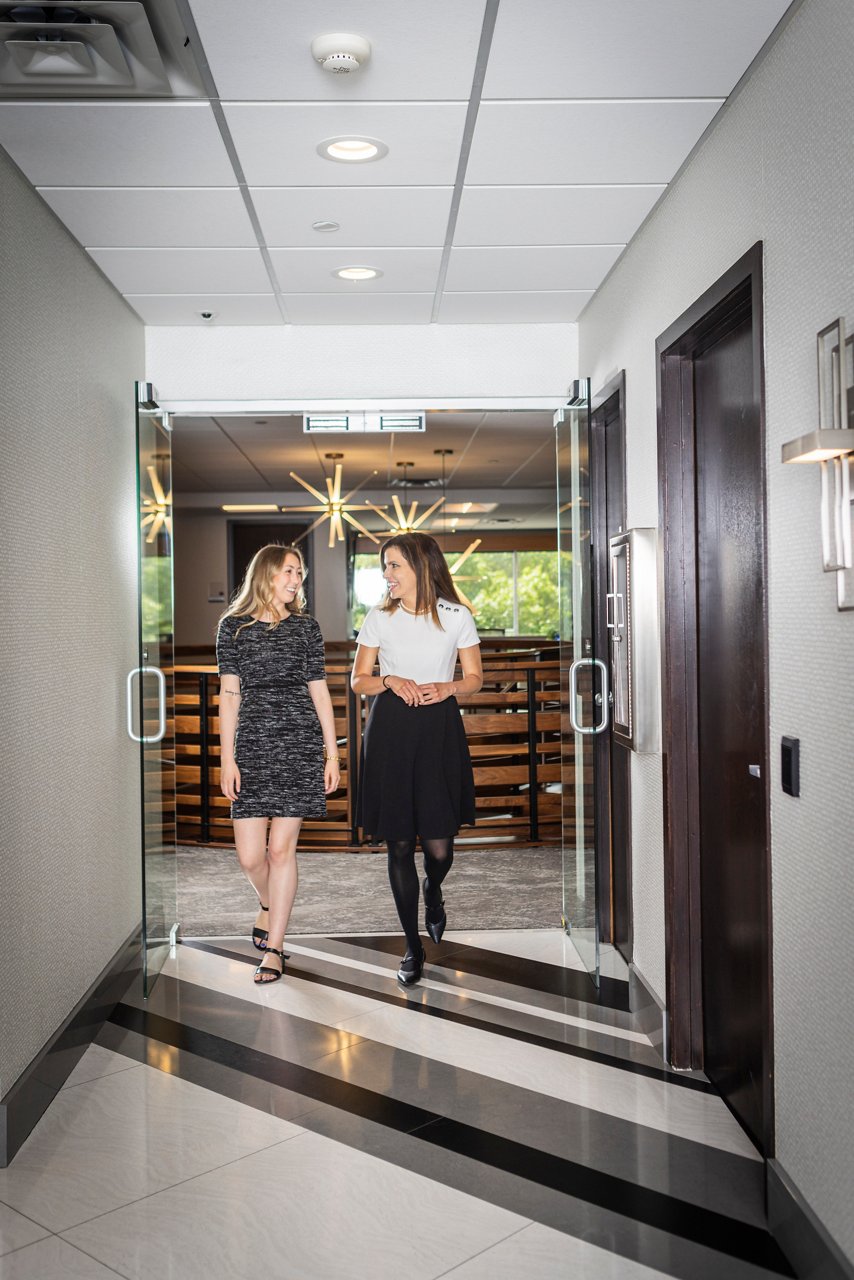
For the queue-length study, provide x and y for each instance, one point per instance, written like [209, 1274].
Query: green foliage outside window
[513, 592]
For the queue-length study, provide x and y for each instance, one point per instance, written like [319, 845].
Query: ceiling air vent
[95, 48]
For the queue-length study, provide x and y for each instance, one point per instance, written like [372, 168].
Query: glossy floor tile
[333, 1124]
[307, 1208]
[16, 1230]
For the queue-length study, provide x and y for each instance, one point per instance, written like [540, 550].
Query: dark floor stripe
[516, 971]
[481, 1024]
[653, 1208]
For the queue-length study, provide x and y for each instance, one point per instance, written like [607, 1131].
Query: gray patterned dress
[279, 742]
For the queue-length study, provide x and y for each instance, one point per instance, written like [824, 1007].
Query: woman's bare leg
[250, 838]
[282, 881]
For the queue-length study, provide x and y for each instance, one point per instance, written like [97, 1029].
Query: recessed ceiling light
[357, 273]
[260, 422]
[352, 150]
[326, 226]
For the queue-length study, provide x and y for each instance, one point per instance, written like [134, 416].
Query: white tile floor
[137, 1172]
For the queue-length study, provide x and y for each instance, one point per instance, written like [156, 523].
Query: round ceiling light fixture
[352, 150]
[325, 226]
[341, 53]
[357, 273]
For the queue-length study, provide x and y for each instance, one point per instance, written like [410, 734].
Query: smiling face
[399, 576]
[287, 582]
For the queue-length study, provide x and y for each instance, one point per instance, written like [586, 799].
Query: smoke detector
[340, 53]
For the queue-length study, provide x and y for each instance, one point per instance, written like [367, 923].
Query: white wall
[779, 166]
[70, 836]
[465, 361]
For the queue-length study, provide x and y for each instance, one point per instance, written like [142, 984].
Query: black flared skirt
[416, 776]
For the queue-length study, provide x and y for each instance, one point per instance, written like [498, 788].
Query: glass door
[584, 678]
[151, 694]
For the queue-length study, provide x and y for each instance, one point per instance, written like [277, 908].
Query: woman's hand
[436, 692]
[331, 776]
[406, 689]
[229, 779]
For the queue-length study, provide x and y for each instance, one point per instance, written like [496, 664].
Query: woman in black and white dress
[277, 735]
[416, 777]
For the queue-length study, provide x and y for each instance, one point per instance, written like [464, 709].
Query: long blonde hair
[432, 576]
[255, 593]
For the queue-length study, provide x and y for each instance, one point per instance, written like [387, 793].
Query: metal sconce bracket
[832, 446]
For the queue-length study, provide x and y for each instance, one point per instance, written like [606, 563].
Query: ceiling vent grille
[95, 48]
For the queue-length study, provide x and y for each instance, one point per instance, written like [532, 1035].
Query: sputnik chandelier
[333, 507]
[157, 510]
[406, 522]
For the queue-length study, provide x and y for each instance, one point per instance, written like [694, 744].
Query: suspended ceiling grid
[527, 141]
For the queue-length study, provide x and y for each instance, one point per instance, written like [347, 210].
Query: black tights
[403, 878]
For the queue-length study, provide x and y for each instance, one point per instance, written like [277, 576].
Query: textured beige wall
[69, 837]
[779, 166]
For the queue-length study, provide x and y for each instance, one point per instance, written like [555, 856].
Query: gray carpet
[506, 887]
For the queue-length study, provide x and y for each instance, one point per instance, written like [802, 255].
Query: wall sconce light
[832, 447]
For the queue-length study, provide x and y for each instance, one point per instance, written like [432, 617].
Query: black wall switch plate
[791, 765]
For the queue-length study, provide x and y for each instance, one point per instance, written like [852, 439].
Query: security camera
[206, 315]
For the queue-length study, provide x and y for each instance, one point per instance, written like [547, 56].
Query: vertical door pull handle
[573, 695]
[161, 704]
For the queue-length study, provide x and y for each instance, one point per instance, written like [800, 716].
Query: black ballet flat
[411, 968]
[259, 936]
[435, 918]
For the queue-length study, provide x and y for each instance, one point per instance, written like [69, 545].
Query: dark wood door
[731, 722]
[611, 761]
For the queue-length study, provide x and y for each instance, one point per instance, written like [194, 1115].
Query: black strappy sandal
[259, 936]
[262, 969]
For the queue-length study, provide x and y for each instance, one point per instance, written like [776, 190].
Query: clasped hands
[419, 695]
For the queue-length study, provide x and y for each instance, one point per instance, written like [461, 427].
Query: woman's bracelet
[327, 756]
[385, 686]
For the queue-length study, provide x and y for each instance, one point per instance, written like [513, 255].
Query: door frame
[603, 743]
[737, 293]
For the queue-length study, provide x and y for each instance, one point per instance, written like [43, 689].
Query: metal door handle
[161, 701]
[573, 695]
[618, 618]
[754, 770]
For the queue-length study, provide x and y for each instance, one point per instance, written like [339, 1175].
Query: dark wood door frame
[735, 296]
[603, 402]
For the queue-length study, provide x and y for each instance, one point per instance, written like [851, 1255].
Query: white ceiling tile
[529, 268]
[185, 309]
[552, 215]
[263, 50]
[143, 217]
[184, 270]
[394, 216]
[312, 270]
[513, 308]
[385, 308]
[584, 142]
[277, 143]
[106, 144]
[623, 49]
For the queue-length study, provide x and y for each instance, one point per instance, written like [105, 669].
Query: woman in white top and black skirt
[416, 778]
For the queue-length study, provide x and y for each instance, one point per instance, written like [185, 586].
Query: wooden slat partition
[513, 727]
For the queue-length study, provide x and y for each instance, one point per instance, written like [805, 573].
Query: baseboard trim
[38, 1084]
[649, 1011]
[806, 1242]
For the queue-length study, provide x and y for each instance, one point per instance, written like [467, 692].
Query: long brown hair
[433, 579]
[255, 593]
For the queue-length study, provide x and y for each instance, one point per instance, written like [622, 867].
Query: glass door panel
[151, 689]
[584, 695]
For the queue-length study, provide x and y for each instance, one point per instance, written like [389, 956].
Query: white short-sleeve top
[413, 646]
